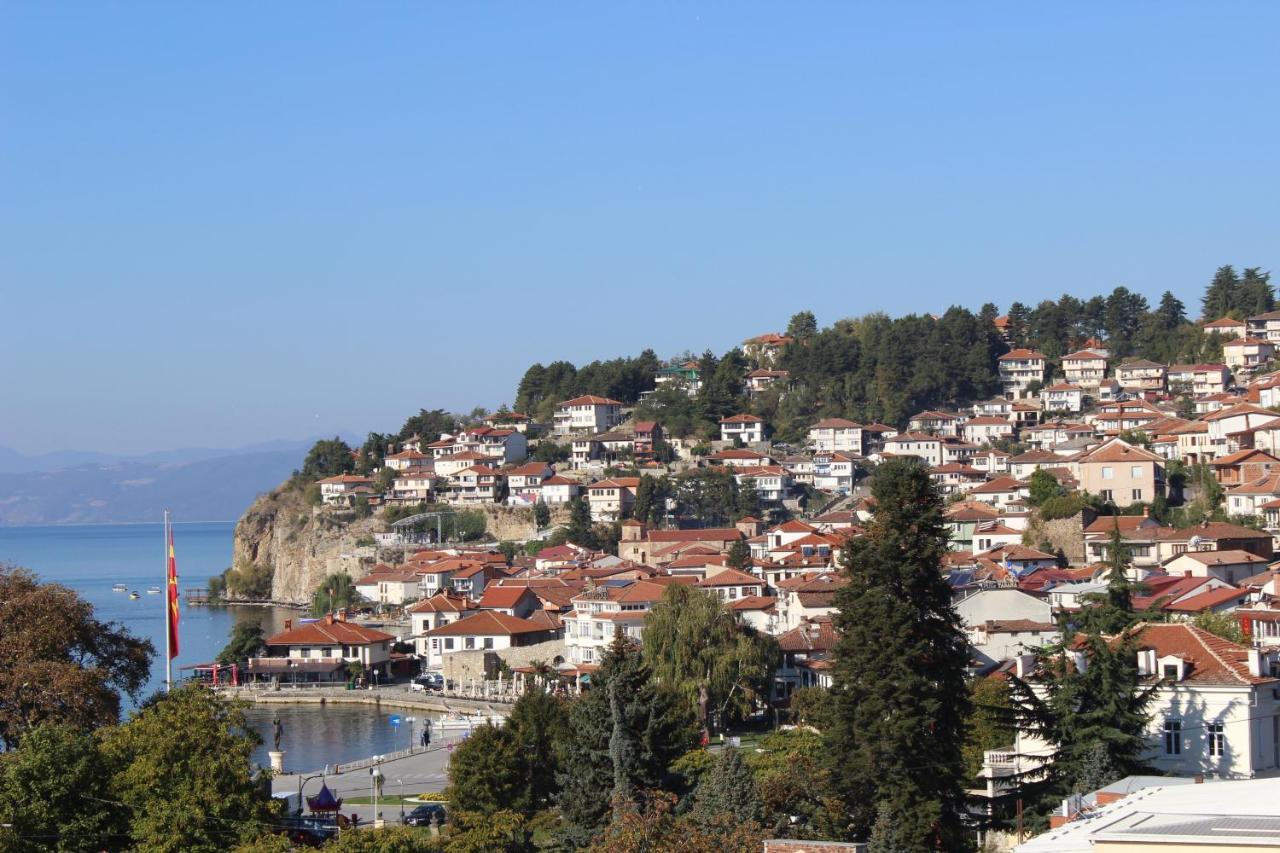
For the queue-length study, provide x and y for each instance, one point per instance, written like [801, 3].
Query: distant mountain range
[196, 484]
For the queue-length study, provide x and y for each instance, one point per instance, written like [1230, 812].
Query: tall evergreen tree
[1256, 296]
[1110, 612]
[1222, 295]
[633, 744]
[579, 530]
[803, 325]
[900, 702]
[1087, 694]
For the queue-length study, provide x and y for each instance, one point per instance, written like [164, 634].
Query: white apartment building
[1019, 368]
[587, 414]
[837, 435]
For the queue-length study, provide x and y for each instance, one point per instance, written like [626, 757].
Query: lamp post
[375, 776]
[400, 791]
[303, 780]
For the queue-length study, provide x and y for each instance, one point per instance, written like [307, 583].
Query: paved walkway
[424, 771]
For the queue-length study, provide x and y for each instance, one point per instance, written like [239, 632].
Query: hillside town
[1086, 470]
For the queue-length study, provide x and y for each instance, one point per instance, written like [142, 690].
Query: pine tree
[1087, 696]
[803, 325]
[727, 790]
[886, 835]
[900, 701]
[739, 556]
[1112, 612]
[1222, 295]
[618, 736]
[1256, 296]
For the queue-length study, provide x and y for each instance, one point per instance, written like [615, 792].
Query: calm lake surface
[91, 558]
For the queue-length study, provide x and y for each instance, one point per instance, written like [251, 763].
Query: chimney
[288, 624]
[328, 618]
[1023, 665]
[1199, 778]
[1255, 661]
[342, 615]
[1146, 511]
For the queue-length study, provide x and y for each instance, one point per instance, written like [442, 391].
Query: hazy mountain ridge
[114, 491]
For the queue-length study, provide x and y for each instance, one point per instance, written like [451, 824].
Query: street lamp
[400, 790]
[375, 776]
[303, 780]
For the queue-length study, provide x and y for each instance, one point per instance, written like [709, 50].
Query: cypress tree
[898, 722]
[1256, 294]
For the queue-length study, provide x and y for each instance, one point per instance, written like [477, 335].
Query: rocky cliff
[303, 544]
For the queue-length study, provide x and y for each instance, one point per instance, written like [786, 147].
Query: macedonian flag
[171, 613]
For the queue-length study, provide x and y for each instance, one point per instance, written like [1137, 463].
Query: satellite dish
[1194, 541]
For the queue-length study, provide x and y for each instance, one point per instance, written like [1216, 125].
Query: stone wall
[1065, 534]
[464, 666]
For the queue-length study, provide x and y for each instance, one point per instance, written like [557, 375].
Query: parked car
[430, 681]
[423, 814]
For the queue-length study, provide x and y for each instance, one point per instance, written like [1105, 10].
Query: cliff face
[304, 544]
[300, 543]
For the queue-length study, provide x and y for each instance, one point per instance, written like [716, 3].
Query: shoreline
[439, 704]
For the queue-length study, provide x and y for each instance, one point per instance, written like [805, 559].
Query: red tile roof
[488, 623]
[325, 632]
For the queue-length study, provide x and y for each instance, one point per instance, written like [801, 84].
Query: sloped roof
[324, 632]
[487, 623]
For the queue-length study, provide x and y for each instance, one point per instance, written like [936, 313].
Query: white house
[559, 490]
[486, 630]
[986, 429]
[342, 489]
[321, 651]
[587, 414]
[435, 612]
[389, 587]
[748, 429]
[833, 471]
[589, 627]
[1247, 353]
[1086, 369]
[1215, 710]
[1062, 397]
[1018, 369]
[837, 435]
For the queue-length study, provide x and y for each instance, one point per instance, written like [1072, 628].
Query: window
[488, 642]
[1106, 495]
[1217, 739]
[305, 652]
[328, 653]
[1173, 737]
[448, 643]
[1135, 472]
[469, 643]
[1137, 494]
[1107, 472]
[1170, 671]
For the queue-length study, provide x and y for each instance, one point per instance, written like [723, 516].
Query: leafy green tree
[335, 592]
[551, 453]
[989, 726]
[182, 773]
[60, 663]
[43, 787]
[1224, 625]
[428, 426]
[541, 515]
[811, 706]
[1042, 486]
[727, 790]
[486, 773]
[899, 669]
[722, 667]
[328, 457]
[630, 733]
[245, 642]
[802, 326]
[739, 555]
[537, 722]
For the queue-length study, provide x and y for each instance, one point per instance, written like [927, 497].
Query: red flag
[172, 613]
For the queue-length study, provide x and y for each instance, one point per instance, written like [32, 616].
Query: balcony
[998, 763]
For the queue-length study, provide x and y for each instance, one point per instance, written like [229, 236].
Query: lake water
[91, 558]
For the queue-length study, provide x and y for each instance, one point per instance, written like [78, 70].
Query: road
[425, 771]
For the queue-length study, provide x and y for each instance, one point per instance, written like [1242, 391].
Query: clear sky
[223, 223]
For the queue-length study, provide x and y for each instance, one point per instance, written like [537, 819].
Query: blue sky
[234, 222]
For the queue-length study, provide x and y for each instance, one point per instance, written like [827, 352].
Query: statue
[278, 731]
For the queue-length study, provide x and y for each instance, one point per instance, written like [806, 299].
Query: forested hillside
[880, 368]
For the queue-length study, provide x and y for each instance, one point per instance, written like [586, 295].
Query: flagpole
[168, 630]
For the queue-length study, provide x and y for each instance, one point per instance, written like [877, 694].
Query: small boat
[153, 590]
[119, 587]
[134, 594]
